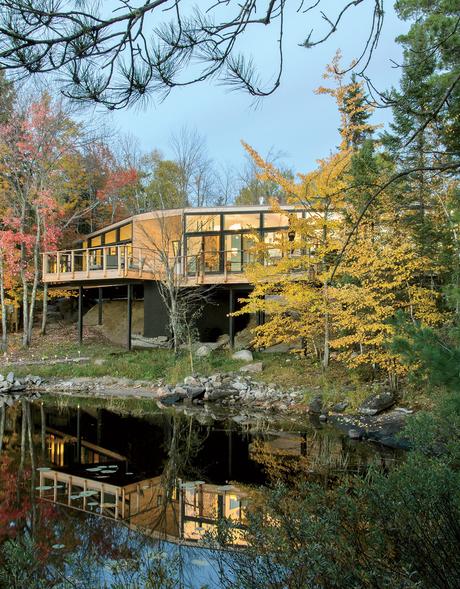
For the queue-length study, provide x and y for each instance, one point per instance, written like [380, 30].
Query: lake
[103, 493]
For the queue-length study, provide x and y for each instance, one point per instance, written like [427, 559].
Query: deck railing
[126, 261]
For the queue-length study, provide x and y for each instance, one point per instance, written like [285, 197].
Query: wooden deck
[126, 264]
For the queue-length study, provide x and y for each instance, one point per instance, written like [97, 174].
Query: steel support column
[80, 314]
[231, 319]
[99, 306]
[130, 314]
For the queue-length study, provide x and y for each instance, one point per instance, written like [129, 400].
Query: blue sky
[294, 121]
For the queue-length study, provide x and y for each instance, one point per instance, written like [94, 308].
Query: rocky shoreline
[377, 420]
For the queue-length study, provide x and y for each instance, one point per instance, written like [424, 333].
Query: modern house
[193, 247]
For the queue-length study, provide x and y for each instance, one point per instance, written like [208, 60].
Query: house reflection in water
[187, 513]
[101, 482]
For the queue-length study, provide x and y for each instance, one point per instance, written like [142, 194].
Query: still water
[104, 496]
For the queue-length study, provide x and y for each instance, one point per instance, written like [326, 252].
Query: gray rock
[195, 393]
[170, 399]
[10, 377]
[217, 394]
[323, 417]
[315, 405]
[253, 368]
[180, 391]
[192, 381]
[340, 406]
[377, 403]
[203, 351]
[355, 434]
[245, 355]
[2, 378]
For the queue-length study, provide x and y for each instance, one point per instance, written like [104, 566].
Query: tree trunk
[43, 430]
[23, 435]
[33, 295]
[2, 424]
[45, 309]
[4, 344]
[326, 351]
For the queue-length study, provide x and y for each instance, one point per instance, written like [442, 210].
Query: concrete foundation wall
[155, 313]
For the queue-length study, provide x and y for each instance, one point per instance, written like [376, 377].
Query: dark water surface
[100, 493]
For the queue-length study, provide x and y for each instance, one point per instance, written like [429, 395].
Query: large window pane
[111, 236]
[233, 261]
[193, 251]
[237, 221]
[198, 223]
[273, 253]
[211, 257]
[126, 232]
[276, 220]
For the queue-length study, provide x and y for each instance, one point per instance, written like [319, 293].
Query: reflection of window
[198, 223]
[237, 221]
[126, 232]
[276, 220]
[176, 248]
[96, 241]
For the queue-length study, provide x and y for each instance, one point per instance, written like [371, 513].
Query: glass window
[233, 258]
[197, 223]
[96, 241]
[275, 238]
[276, 220]
[111, 237]
[238, 221]
[211, 257]
[193, 250]
[126, 232]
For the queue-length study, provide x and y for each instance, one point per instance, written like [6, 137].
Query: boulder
[192, 381]
[194, 393]
[252, 368]
[216, 394]
[316, 405]
[377, 403]
[171, 399]
[10, 377]
[203, 351]
[245, 355]
[340, 406]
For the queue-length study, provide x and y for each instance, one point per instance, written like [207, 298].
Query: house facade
[194, 247]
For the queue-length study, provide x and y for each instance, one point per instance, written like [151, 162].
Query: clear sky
[294, 120]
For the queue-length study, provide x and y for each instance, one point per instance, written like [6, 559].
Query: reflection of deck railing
[192, 511]
[126, 261]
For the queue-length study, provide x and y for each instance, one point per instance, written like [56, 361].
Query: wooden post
[45, 263]
[58, 263]
[87, 263]
[130, 314]
[119, 259]
[99, 307]
[102, 500]
[80, 314]
[72, 263]
[231, 319]
[123, 500]
[55, 487]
